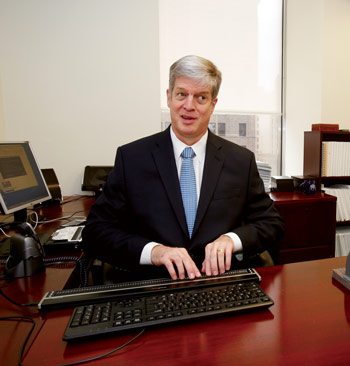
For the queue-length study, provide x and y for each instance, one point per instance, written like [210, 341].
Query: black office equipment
[144, 310]
[26, 254]
[88, 295]
[5, 244]
[53, 184]
[282, 184]
[65, 238]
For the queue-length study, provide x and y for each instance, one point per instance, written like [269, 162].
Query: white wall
[336, 63]
[317, 72]
[2, 117]
[77, 79]
[304, 47]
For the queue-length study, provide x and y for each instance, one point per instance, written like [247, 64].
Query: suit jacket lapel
[214, 159]
[163, 155]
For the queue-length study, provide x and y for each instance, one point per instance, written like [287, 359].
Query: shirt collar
[199, 147]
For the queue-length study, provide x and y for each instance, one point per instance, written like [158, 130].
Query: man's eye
[180, 95]
[202, 98]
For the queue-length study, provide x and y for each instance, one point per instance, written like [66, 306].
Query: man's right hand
[175, 259]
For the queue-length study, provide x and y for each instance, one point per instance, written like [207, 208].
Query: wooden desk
[32, 289]
[24, 291]
[308, 325]
[78, 205]
[74, 205]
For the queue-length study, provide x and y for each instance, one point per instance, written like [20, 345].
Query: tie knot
[188, 153]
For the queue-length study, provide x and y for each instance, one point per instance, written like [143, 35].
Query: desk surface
[285, 198]
[308, 325]
[31, 289]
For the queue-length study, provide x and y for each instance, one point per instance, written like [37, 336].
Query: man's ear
[214, 101]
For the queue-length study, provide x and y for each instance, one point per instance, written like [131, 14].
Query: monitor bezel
[4, 209]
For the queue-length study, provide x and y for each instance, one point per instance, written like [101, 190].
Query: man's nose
[189, 102]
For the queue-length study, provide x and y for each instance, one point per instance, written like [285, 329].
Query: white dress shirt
[198, 163]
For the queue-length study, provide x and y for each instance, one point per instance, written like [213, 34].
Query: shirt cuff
[145, 258]
[238, 246]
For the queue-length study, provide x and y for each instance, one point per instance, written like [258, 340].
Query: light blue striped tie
[188, 187]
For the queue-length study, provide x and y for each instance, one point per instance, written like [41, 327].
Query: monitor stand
[20, 216]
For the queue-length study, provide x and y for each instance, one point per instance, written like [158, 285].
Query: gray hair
[197, 68]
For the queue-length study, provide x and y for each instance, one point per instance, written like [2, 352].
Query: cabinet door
[308, 224]
[309, 231]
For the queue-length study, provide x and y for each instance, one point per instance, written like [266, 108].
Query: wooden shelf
[313, 155]
[343, 223]
[336, 178]
[313, 158]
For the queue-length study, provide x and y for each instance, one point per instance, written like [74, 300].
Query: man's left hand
[218, 255]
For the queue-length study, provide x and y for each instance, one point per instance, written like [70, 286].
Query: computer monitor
[21, 181]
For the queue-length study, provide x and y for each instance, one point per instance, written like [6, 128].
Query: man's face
[191, 106]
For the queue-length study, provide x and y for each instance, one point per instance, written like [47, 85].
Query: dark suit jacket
[141, 202]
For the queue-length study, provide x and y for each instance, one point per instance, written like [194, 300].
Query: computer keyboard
[133, 312]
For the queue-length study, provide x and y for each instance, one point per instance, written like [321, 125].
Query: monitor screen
[21, 181]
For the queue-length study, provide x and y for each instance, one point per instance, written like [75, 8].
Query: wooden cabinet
[310, 222]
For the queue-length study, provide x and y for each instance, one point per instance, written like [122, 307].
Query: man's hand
[218, 256]
[175, 258]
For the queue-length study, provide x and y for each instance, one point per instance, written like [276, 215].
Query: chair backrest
[95, 177]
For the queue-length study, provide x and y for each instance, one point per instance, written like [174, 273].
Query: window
[244, 40]
[221, 129]
[242, 129]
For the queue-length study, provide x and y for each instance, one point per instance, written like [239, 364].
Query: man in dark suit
[141, 221]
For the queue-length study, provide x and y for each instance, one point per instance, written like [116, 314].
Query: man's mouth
[188, 118]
